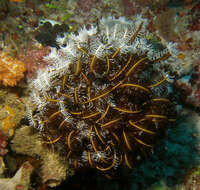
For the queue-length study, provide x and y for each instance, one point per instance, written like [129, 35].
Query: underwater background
[28, 33]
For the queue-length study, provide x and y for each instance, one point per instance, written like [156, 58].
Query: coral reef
[3, 144]
[12, 110]
[7, 123]
[108, 108]
[88, 4]
[26, 142]
[2, 167]
[54, 168]
[179, 157]
[33, 57]
[20, 181]
[168, 168]
[129, 8]
[189, 87]
[47, 32]
[11, 70]
[168, 20]
[11, 113]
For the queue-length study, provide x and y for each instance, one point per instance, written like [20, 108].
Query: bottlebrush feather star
[103, 101]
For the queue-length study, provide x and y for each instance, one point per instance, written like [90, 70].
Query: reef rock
[20, 181]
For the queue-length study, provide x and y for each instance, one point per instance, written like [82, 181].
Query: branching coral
[104, 101]
[11, 70]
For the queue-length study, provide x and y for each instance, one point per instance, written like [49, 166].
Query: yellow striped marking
[75, 164]
[54, 141]
[81, 49]
[64, 81]
[54, 114]
[69, 139]
[99, 136]
[89, 159]
[133, 67]
[68, 86]
[140, 128]
[137, 86]
[108, 64]
[107, 108]
[76, 95]
[65, 95]
[61, 124]
[96, 151]
[158, 83]
[126, 141]
[45, 121]
[92, 63]
[110, 122]
[127, 111]
[91, 115]
[93, 145]
[85, 78]
[52, 100]
[108, 168]
[89, 91]
[156, 116]
[78, 67]
[90, 132]
[116, 52]
[141, 142]
[108, 147]
[102, 95]
[68, 154]
[75, 113]
[115, 136]
[79, 125]
[161, 100]
[127, 162]
[120, 72]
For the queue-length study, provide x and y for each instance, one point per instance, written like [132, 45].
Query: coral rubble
[11, 70]
[103, 101]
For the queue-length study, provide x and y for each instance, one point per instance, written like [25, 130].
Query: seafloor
[25, 40]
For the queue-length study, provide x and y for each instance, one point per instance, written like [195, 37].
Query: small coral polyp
[103, 101]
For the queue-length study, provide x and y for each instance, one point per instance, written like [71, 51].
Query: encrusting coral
[105, 98]
[11, 70]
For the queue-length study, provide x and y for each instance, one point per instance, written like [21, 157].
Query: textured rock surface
[53, 168]
[20, 181]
